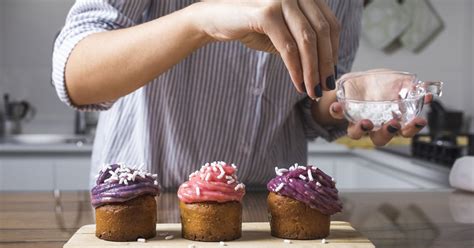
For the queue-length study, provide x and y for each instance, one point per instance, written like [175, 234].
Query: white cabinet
[26, 174]
[44, 172]
[376, 171]
[72, 173]
[357, 173]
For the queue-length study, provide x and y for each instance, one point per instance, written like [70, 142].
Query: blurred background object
[411, 24]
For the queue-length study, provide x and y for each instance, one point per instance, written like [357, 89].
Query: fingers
[334, 25]
[306, 41]
[386, 133]
[336, 110]
[356, 131]
[286, 45]
[413, 127]
[428, 98]
[322, 30]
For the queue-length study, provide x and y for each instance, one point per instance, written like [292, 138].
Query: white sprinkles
[124, 175]
[205, 173]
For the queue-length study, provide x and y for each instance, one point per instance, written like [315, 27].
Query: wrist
[196, 17]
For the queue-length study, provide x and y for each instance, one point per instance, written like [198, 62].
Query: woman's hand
[304, 32]
[383, 135]
[330, 112]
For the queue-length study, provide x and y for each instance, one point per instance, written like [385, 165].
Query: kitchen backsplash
[25, 62]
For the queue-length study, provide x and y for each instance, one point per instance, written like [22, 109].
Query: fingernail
[335, 71]
[333, 109]
[419, 126]
[392, 129]
[318, 90]
[331, 82]
[364, 128]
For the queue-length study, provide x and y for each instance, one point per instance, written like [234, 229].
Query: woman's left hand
[383, 135]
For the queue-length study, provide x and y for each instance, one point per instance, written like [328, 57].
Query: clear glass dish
[382, 95]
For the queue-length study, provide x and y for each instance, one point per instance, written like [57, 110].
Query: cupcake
[210, 204]
[300, 203]
[124, 202]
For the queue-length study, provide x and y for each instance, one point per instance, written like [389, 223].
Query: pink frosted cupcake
[210, 198]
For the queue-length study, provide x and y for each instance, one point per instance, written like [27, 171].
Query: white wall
[27, 34]
[449, 58]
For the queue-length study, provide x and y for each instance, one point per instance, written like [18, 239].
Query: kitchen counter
[442, 218]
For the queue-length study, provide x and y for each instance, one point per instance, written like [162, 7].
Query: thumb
[336, 110]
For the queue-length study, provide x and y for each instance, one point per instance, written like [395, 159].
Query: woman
[187, 82]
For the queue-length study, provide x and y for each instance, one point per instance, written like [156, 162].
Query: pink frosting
[214, 182]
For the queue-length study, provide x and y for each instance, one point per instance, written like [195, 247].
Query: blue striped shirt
[223, 102]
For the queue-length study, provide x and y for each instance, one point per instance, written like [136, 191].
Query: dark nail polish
[364, 128]
[392, 129]
[318, 90]
[419, 126]
[335, 72]
[331, 82]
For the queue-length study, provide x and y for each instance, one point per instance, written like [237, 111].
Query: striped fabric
[223, 102]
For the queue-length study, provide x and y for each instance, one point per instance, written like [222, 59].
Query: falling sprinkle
[222, 243]
[192, 246]
[169, 237]
[141, 240]
[287, 241]
[324, 241]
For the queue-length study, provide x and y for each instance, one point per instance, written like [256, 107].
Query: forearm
[108, 65]
[321, 110]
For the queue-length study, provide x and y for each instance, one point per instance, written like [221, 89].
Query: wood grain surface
[254, 234]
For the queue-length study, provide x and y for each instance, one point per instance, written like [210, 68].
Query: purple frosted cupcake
[301, 201]
[124, 202]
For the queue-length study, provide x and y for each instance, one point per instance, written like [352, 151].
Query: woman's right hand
[304, 32]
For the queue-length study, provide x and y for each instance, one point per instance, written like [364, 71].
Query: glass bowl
[382, 95]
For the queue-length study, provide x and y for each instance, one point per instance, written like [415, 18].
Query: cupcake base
[292, 219]
[211, 221]
[127, 221]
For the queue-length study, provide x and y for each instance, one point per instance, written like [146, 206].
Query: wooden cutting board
[254, 234]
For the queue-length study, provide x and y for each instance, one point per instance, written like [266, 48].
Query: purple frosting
[307, 184]
[118, 183]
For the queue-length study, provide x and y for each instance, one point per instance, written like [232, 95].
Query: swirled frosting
[215, 182]
[119, 183]
[309, 185]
